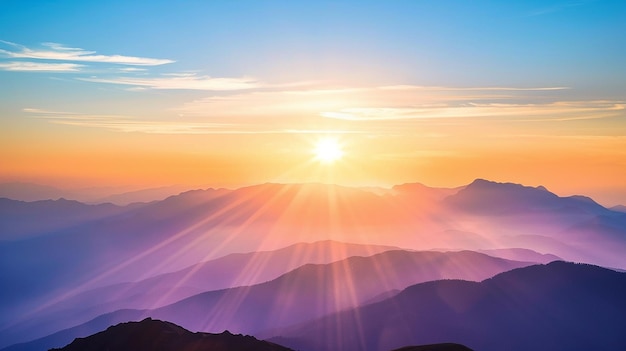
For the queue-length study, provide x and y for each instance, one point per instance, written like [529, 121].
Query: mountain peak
[152, 334]
[487, 196]
[485, 183]
[484, 196]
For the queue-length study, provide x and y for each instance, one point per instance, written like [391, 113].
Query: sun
[328, 150]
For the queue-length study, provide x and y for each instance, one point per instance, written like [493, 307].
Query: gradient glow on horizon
[233, 93]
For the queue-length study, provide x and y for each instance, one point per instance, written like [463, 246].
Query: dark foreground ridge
[436, 347]
[156, 335]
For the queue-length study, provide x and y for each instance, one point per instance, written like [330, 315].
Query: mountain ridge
[151, 239]
[304, 293]
[223, 272]
[150, 334]
[534, 307]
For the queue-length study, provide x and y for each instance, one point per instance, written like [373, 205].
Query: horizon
[102, 195]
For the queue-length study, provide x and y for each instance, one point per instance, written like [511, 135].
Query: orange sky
[380, 153]
[228, 94]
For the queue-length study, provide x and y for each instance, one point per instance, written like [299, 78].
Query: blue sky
[575, 44]
[465, 43]
[507, 73]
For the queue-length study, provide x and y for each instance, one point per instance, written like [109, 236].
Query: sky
[232, 93]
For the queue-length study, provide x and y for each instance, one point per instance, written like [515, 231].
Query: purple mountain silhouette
[559, 306]
[310, 291]
[240, 269]
[53, 250]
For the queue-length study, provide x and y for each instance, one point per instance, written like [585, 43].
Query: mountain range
[238, 269]
[270, 258]
[24, 191]
[559, 306]
[307, 292]
[150, 334]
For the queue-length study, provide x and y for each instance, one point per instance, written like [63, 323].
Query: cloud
[186, 81]
[436, 88]
[128, 124]
[131, 69]
[59, 52]
[23, 66]
[373, 110]
[527, 112]
[363, 103]
[264, 103]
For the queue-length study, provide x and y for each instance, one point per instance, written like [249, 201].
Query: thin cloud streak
[124, 123]
[551, 111]
[60, 52]
[322, 131]
[438, 88]
[131, 69]
[128, 124]
[23, 66]
[263, 112]
[183, 82]
[398, 102]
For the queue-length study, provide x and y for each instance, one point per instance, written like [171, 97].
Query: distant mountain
[23, 191]
[21, 220]
[575, 228]
[308, 292]
[487, 197]
[619, 208]
[112, 244]
[147, 240]
[50, 253]
[118, 244]
[519, 254]
[152, 334]
[315, 290]
[142, 195]
[240, 269]
[559, 306]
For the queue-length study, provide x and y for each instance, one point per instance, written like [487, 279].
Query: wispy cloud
[185, 81]
[264, 103]
[24, 66]
[346, 110]
[59, 52]
[131, 69]
[437, 88]
[551, 111]
[129, 124]
[376, 103]
[125, 124]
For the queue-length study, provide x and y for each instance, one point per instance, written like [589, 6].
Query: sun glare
[328, 150]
